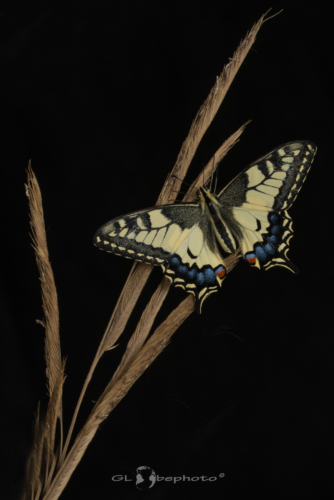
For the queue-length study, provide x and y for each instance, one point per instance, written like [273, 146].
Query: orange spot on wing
[251, 260]
[221, 274]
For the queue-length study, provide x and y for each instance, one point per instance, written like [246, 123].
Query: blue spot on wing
[273, 218]
[276, 230]
[182, 269]
[272, 239]
[250, 255]
[200, 279]
[210, 276]
[175, 261]
[261, 254]
[269, 249]
[191, 274]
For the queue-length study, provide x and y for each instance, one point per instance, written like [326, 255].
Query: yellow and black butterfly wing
[255, 203]
[252, 210]
[179, 238]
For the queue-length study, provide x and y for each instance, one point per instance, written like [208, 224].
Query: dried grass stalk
[48, 287]
[138, 355]
[42, 460]
[215, 160]
[109, 400]
[207, 113]
[143, 328]
[173, 182]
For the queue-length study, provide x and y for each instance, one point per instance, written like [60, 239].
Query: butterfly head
[207, 200]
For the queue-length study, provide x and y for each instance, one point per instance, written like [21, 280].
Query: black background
[101, 95]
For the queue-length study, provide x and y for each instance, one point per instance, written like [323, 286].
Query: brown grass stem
[50, 465]
[41, 461]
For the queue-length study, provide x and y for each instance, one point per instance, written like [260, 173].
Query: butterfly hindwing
[256, 202]
[176, 237]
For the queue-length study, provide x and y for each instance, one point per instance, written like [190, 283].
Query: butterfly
[188, 240]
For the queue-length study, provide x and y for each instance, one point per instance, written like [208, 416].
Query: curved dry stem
[206, 114]
[143, 329]
[124, 307]
[140, 272]
[110, 399]
[41, 459]
[48, 287]
[139, 355]
[116, 391]
[216, 159]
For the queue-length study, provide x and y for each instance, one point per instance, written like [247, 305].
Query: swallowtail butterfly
[186, 239]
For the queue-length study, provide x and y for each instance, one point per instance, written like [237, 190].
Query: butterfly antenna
[183, 182]
[186, 194]
[216, 180]
[206, 180]
[213, 171]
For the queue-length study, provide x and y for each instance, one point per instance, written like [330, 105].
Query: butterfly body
[188, 239]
